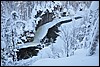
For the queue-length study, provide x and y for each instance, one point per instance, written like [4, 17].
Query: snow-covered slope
[79, 59]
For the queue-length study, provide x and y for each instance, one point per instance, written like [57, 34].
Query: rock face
[25, 53]
[49, 38]
[47, 17]
[52, 33]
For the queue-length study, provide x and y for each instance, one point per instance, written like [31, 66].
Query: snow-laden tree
[65, 37]
[94, 27]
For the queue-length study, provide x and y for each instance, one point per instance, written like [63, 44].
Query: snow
[42, 30]
[19, 26]
[24, 38]
[64, 10]
[38, 19]
[94, 30]
[94, 5]
[54, 54]
[14, 12]
[30, 25]
[25, 45]
[3, 45]
[79, 59]
[39, 8]
[71, 12]
[26, 62]
[45, 53]
[58, 3]
[34, 12]
[16, 50]
[31, 35]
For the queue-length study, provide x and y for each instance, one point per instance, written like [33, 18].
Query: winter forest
[49, 33]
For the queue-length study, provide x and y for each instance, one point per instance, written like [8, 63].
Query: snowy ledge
[26, 45]
[42, 30]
